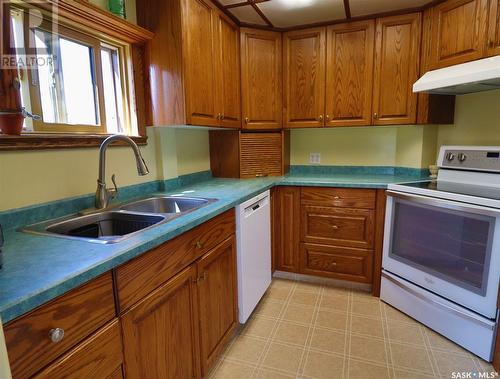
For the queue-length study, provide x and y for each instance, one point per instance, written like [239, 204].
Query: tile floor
[304, 330]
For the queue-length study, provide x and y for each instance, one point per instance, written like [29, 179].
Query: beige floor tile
[366, 308]
[395, 315]
[270, 374]
[291, 333]
[362, 370]
[412, 357]
[246, 348]
[299, 313]
[282, 283]
[369, 349]
[231, 370]
[283, 357]
[335, 303]
[403, 332]
[269, 308]
[328, 340]
[448, 363]
[368, 326]
[403, 374]
[358, 295]
[320, 365]
[304, 298]
[332, 320]
[485, 366]
[439, 342]
[308, 287]
[278, 293]
[259, 327]
[336, 291]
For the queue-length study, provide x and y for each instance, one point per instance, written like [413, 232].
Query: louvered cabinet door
[260, 155]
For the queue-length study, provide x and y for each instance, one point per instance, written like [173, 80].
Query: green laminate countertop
[39, 268]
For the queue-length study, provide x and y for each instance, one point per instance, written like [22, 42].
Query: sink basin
[103, 227]
[166, 204]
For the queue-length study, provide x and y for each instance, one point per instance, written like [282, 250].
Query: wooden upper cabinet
[458, 32]
[200, 63]
[397, 56]
[494, 28]
[304, 78]
[228, 74]
[261, 79]
[349, 73]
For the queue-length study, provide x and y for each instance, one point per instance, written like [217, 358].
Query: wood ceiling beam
[347, 8]
[261, 14]
[226, 12]
[243, 3]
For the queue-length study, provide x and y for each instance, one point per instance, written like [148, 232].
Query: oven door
[447, 247]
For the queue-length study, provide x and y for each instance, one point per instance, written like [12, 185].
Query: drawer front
[339, 197]
[99, 356]
[137, 278]
[338, 226]
[79, 313]
[336, 262]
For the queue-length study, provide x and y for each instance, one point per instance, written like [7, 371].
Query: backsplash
[358, 170]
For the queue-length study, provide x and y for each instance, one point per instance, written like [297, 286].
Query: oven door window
[451, 245]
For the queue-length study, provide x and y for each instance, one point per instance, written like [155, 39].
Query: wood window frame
[86, 17]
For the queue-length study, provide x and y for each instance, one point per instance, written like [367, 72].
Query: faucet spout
[104, 195]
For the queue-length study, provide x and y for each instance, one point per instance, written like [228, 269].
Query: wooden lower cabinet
[161, 333]
[218, 301]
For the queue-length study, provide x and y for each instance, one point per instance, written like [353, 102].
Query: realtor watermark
[474, 375]
[30, 38]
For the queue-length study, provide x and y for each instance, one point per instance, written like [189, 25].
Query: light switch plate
[315, 158]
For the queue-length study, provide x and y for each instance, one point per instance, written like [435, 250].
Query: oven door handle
[443, 203]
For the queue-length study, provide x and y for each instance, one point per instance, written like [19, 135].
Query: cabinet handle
[202, 277]
[333, 264]
[336, 198]
[320, 118]
[199, 245]
[335, 227]
[327, 117]
[222, 116]
[375, 116]
[56, 335]
[247, 120]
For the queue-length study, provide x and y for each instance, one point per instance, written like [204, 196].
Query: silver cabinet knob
[56, 335]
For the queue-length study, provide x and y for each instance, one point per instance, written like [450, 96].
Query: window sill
[58, 141]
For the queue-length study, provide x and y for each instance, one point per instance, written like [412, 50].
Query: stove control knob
[450, 157]
[462, 157]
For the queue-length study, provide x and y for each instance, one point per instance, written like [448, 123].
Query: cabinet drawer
[338, 226]
[79, 313]
[99, 356]
[336, 262]
[137, 278]
[339, 197]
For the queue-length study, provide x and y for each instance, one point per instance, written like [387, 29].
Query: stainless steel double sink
[116, 223]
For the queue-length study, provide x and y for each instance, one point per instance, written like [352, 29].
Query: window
[79, 83]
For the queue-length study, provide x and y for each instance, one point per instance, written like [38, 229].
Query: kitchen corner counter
[40, 268]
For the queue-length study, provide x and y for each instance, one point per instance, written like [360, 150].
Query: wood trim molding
[86, 14]
[57, 141]
[347, 8]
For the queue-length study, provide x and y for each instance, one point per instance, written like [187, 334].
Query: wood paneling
[260, 154]
[459, 32]
[337, 226]
[200, 62]
[99, 356]
[494, 28]
[304, 78]
[161, 332]
[79, 313]
[287, 228]
[349, 73]
[224, 153]
[137, 278]
[261, 79]
[336, 262]
[379, 241]
[397, 53]
[228, 79]
[339, 197]
[218, 301]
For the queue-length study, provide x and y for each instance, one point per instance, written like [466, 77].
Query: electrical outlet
[315, 158]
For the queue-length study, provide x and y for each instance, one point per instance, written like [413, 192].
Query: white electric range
[441, 256]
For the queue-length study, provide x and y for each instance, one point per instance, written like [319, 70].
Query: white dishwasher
[253, 233]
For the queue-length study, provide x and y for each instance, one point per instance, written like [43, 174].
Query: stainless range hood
[476, 76]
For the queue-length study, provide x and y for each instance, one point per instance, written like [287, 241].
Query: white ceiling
[290, 13]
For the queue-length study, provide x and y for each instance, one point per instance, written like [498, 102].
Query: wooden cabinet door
[261, 79]
[304, 78]
[458, 32]
[494, 28]
[200, 63]
[218, 301]
[160, 333]
[397, 57]
[287, 228]
[349, 73]
[228, 79]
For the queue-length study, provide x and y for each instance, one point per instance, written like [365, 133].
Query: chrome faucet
[104, 195]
